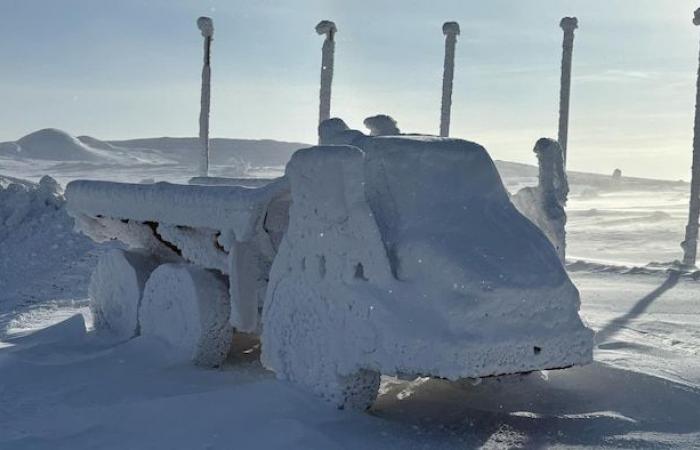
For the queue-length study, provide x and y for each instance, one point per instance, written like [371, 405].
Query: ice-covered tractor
[372, 255]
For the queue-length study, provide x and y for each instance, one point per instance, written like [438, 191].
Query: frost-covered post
[690, 244]
[568, 24]
[327, 28]
[451, 31]
[206, 26]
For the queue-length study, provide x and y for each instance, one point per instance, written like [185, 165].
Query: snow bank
[188, 308]
[21, 201]
[116, 288]
[409, 258]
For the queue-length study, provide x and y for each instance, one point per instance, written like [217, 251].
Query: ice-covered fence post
[206, 26]
[554, 191]
[327, 28]
[568, 24]
[690, 244]
[450, 30]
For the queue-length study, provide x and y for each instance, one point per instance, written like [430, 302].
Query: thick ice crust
[409, 258]
[116, 289]
[233, 208]
[188, 307]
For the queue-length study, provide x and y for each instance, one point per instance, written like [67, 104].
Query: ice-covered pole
[206, 26]
[451, 31]
[568, 24]
[690, 243]
[327, 28]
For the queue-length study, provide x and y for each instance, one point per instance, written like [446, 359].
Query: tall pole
[206, 26]
[690, 244]
[451, 31]
[568, 24]
[327, 28]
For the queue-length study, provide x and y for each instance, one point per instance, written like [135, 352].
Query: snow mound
[39, 253]
[21, 201]
[52, 144]
[188, 307]
[116, 288]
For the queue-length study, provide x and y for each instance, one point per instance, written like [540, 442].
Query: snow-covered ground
[64, 387]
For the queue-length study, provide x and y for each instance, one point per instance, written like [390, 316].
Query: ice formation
[545, 204]
[188, 307]
[568, 24]
[232, 229]
[327, 28]
[407, 257]
[116, 289]
[451, 31]
[393, 255]
[206, 26]
[336, 131]
[382, 125]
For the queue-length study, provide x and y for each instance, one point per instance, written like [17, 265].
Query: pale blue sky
[130, 68]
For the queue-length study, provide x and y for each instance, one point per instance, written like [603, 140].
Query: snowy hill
[51, 144]
[256, 153]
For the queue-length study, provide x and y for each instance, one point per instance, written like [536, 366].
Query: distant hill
[264, 152]
[50, 144]
[87, 155]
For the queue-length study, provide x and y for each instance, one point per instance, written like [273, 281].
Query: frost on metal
[206, 26]
[328, 29]
[568, 25]
[391, 254]
[545, 204]
[188, 307]
[116, 290]
[451, 31]
[690, 243]
[406, 256]
[234, 230]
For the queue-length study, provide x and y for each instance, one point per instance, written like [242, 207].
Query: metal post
[451, 31]
[568, 24]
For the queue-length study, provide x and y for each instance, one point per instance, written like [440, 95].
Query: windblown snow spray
[327, 28]
[568, 24]
[206, 26]
[690, 243]
[450, 30]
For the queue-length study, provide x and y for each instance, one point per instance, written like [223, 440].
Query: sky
[131, 68]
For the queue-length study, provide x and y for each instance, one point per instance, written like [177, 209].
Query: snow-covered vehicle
[376, 255]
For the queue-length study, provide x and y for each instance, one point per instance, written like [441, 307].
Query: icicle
[327, 28]
[690, 244]
[568, 24]
[450, 30]
[206, 26]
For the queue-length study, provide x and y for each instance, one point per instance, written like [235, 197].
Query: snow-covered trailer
[394, 255]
